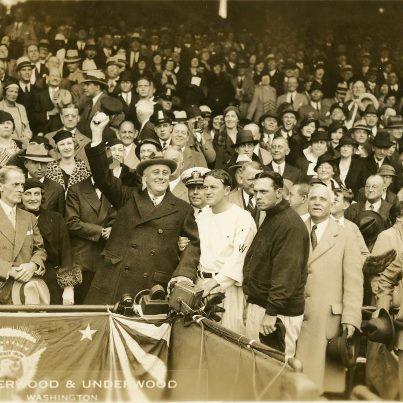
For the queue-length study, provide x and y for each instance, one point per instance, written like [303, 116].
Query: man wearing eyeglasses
[374, 188]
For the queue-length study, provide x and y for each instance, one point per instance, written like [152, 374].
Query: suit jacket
[264, 100]
[58, 249]
[277, 81]
[86, 216]
[352, 213]
[291, 173]
[248, 87]
[333, 295]
[389, 281]
[80, 141]
[88, 110]
[142, 249]
[192, 158]
[299, 100]
[310, 111]
[236, 197]
[53, 196]
[42, 105]
[27, 99]
[23, 244]
[25, 34]
[129, 110]
[372, 169]
[147, 132]
[356, 175]
[181, 192]
[131, 159]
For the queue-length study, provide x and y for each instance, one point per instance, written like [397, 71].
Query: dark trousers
[80, 291]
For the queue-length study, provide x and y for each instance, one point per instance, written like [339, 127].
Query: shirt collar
[8, 209]
[377, 205]
[95, 99]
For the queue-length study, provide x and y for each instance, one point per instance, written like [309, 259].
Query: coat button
[134, 245]
[140, 226]
[145, 275]
[126, 268]
[152, 252]
[160, 230]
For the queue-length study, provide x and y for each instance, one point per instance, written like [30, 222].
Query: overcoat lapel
[148, 212]
[21, 231]
[6, 228]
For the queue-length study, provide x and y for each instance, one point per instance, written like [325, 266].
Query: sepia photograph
[201, 200]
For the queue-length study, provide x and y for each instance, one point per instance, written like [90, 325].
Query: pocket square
[30, 232]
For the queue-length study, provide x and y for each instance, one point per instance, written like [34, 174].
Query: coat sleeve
[65, 253]
[111, 187]
[74, 219]
[253, 104]
[38, 248]
[353, 281]
[288, 269]
[189, 259]
[389, 278]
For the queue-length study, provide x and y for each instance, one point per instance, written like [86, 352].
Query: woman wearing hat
[224, 142]
[67, 170]
[336, 131]
[22, 131]
[319, 144]
[352, 171]
[168, 77]
[327, 171]
[301, 140]
[8, 146]
[141, 69]
[360, 133]
[60, 276]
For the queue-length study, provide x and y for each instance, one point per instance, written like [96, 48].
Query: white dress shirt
[278, 167]
[9, 211]
[246, 199]
[156, 199]
[377, 205]
[320, 228]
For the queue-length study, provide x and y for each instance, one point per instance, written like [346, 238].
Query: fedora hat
[382, 139]
[126, 76]
[271, 115]
[111, 105]
[243, 137]
[368, 96]
[156, 160]
[386, 170]
[380, 328]
[339, 105]
[96, 76]
[370, 224]
[32, 183]
[343, 350]
[370, 110]
[336, 126]
[72, 56]
[193, 112]
[34, 292]
[241, 159]
[180, 116]
[346, 140]
[286, 107]
[36, 152]
[360, 126]
[147, 141]
[394, 122]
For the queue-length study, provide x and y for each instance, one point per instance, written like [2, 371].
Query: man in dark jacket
[142, 248]
[274, 279]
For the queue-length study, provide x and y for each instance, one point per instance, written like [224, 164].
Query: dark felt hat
[370, 224]
[111, 105]
[193, 112]
[126, 76]
[343, 350]
[319, 135]
[382, 139]
[113, 142]
[5, 117]
[147, 141]
[243, 137]
[62, 135]
[380, 328]
[315, 86]
[370, 110]
[347, 140]
[157, 160]
[286, 107]
[325, 158]
[271, 114]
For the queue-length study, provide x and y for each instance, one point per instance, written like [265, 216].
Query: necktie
[26, 89]
[317, 107]
[164, 144]
[127, 98]
[314, 239]
[371, 207]
[11, 217]
[291, 99]
[250, 206]
[279, 169]
[154, 200]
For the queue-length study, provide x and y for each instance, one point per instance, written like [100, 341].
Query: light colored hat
[37, 152]
[241, 159]
[95, 76]
[34, 292]
[72, 56]
[194, 176]
[386, 170]
[23, 61]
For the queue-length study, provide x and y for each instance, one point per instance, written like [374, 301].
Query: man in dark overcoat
[142, 248]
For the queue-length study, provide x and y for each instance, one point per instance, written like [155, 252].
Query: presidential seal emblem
[20, 352]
